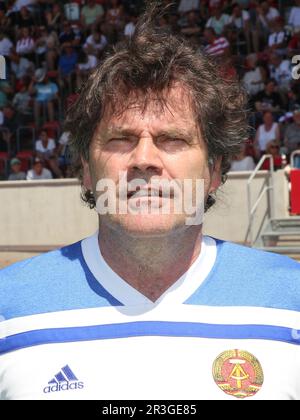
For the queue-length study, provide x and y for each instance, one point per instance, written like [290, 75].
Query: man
[38, 171]
[294, 17]
[16, 174]
[91, 14]
[268, 99]
[45, 92]
[148, 307]
[216, 46]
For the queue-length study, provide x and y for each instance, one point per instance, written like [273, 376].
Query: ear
[86, 175]
[216, 175]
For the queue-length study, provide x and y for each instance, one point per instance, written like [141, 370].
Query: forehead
[171, 108]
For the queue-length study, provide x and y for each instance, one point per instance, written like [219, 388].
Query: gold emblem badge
[238, 373]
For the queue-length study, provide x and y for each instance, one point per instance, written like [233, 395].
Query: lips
[149, 193]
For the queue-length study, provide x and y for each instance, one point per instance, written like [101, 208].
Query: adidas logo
[64, 380]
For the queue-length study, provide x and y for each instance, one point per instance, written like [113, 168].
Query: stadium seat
[4, 157]
[26, 158]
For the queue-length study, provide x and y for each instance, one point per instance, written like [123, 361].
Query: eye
[171, 143]
[120, 144]
[119, 139]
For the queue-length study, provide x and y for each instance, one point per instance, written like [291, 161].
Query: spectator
[15, 171]
[188, 6]
[67, 34]
[45, 93]
[46, 151]
[239, 26]
[5, 21]
[6, 91]
[22, 102]
[23, 3]
[242, 162]
[20, 66]
[281, 71]
[5, 45]
[86, 62]
[91, 14]
[294, 44]
[277, 40]
[67, 66]
[130, 25]
[26, 45]
[192, 26]
[38, 171]
[54, 17]
[253, 79]
[218, 21]
[63, 153]
[215, 46]
[273, 149]
[264, 15]
[292, 134]
[41, 44]
[52, 49]
[115, 15]
[268, 99]
[95, 43]
[24, 18]
[265, 133]
[267, 13]
[10, 120]
[294, 17]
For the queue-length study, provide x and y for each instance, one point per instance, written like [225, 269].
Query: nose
[146, 157]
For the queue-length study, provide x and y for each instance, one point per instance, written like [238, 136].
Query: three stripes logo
[64, 380]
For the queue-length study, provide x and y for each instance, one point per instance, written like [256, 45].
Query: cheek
[105, 165]
[190, 166]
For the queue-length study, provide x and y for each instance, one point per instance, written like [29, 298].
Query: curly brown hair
[150, 62]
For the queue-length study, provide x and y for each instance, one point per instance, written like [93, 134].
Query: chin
[148, 225]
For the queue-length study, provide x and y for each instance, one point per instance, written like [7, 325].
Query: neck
[150, 264]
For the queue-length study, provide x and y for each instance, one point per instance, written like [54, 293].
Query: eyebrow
[172, 132]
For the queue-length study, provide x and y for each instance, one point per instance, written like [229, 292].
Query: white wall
[42, 214]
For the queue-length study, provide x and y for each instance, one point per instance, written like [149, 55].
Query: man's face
[154, 144]
[270, 87]
[16, 168]
[237, 11]
[44, 136]
[38, 168]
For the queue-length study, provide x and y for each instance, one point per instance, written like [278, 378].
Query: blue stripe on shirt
[148, 328]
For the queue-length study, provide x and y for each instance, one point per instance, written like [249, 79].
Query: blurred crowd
[50, 48]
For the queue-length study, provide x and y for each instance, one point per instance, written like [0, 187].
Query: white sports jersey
[228, 328]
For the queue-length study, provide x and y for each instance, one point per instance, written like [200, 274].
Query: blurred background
[50, 48]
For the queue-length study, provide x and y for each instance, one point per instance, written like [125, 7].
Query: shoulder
[258, 278]
[47, 173]
[247, 277]
[30, 269]
[235, 250]
[57, 281]
[40, 283]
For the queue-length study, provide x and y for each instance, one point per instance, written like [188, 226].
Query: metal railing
[292, 158]
[266, 189]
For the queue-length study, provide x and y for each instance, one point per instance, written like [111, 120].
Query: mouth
[148, 193]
